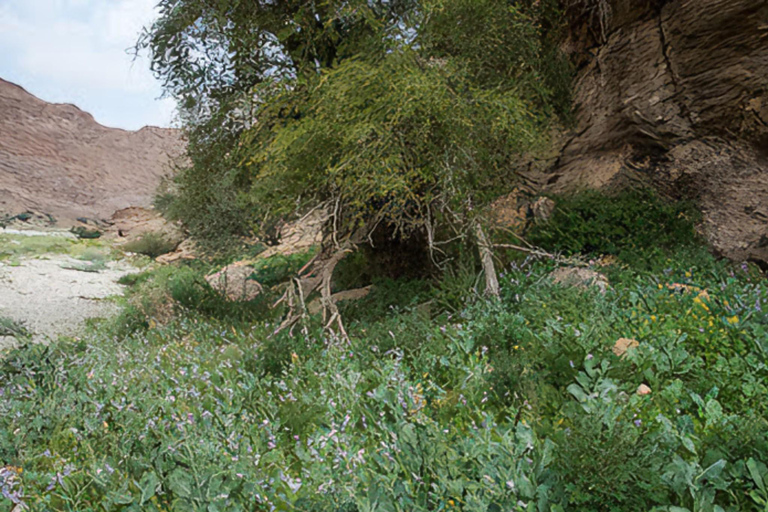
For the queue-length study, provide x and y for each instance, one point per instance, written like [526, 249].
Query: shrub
[13, 328]
[279, 268]
[636, 226]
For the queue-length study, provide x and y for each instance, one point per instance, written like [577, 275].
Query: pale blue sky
[74, 51]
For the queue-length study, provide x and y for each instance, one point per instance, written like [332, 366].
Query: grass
[441, 400]
[10, 327]
[13, 247]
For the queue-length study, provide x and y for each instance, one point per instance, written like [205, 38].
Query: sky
[75, 51]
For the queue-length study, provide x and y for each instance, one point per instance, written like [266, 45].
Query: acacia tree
[402, 117]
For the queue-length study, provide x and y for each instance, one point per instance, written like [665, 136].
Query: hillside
[57, 159]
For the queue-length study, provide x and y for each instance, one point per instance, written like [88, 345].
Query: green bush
[151, 244]
[13, 328]
[635, 225]
[280, 268]
[156, 296]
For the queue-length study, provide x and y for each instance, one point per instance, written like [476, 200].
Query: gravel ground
[51, 300]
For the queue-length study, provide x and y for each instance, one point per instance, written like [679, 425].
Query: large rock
[579, 277]
[675, 94]
[131, 224]
[233, 281]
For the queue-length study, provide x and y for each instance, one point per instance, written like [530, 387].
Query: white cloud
[81, 46]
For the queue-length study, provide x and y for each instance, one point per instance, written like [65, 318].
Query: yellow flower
[733, 320]
[687, 274]
[653, 318]
[451, 502]
[294, 357]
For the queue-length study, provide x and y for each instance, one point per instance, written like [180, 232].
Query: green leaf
[181, 483]
[148, 485]
[754, 472]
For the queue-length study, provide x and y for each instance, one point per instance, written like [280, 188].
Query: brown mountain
[57, 159]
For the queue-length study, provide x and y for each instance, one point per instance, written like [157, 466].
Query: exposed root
[319, 276]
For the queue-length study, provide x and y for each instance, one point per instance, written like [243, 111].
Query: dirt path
[52, 300]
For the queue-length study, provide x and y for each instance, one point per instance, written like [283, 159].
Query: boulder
[185, 251]
[579, 277]
[623, 345]
[235, 283]
[542, 209]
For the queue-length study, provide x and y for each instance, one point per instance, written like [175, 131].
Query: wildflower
[733, 320]
[638, 422]
[589, 357]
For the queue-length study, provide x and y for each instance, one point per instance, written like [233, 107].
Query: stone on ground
[234, 282]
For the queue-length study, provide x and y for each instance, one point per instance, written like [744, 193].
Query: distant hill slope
[57, 159]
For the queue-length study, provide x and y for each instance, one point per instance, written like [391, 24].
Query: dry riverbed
[51, 284]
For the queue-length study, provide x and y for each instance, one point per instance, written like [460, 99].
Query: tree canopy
[402, 115]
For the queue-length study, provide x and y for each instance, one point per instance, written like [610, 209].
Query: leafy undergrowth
[13, 328]
[512, 405]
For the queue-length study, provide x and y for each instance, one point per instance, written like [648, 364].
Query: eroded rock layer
[57, 159]
[675, 93]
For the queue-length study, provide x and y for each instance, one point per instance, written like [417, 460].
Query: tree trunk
[486, 259]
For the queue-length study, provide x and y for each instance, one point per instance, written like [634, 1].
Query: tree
[401, 117]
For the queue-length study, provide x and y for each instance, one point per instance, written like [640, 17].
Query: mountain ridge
[56, 158]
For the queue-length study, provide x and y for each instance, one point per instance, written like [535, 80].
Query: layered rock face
[675, 93]
[57, 159]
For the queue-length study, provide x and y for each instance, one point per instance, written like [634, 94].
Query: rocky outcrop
[57, 159]
[234, 282]
[579, 277]
[675, 93]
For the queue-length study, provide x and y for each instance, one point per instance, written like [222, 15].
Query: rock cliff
[57, 159]
[675, 93]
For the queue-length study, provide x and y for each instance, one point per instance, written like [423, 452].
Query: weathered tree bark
[677, 97]
[486, 259]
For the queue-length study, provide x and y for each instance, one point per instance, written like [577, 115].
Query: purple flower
[589, 357]
[758, 308]
[638, 423]
[571, 363]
